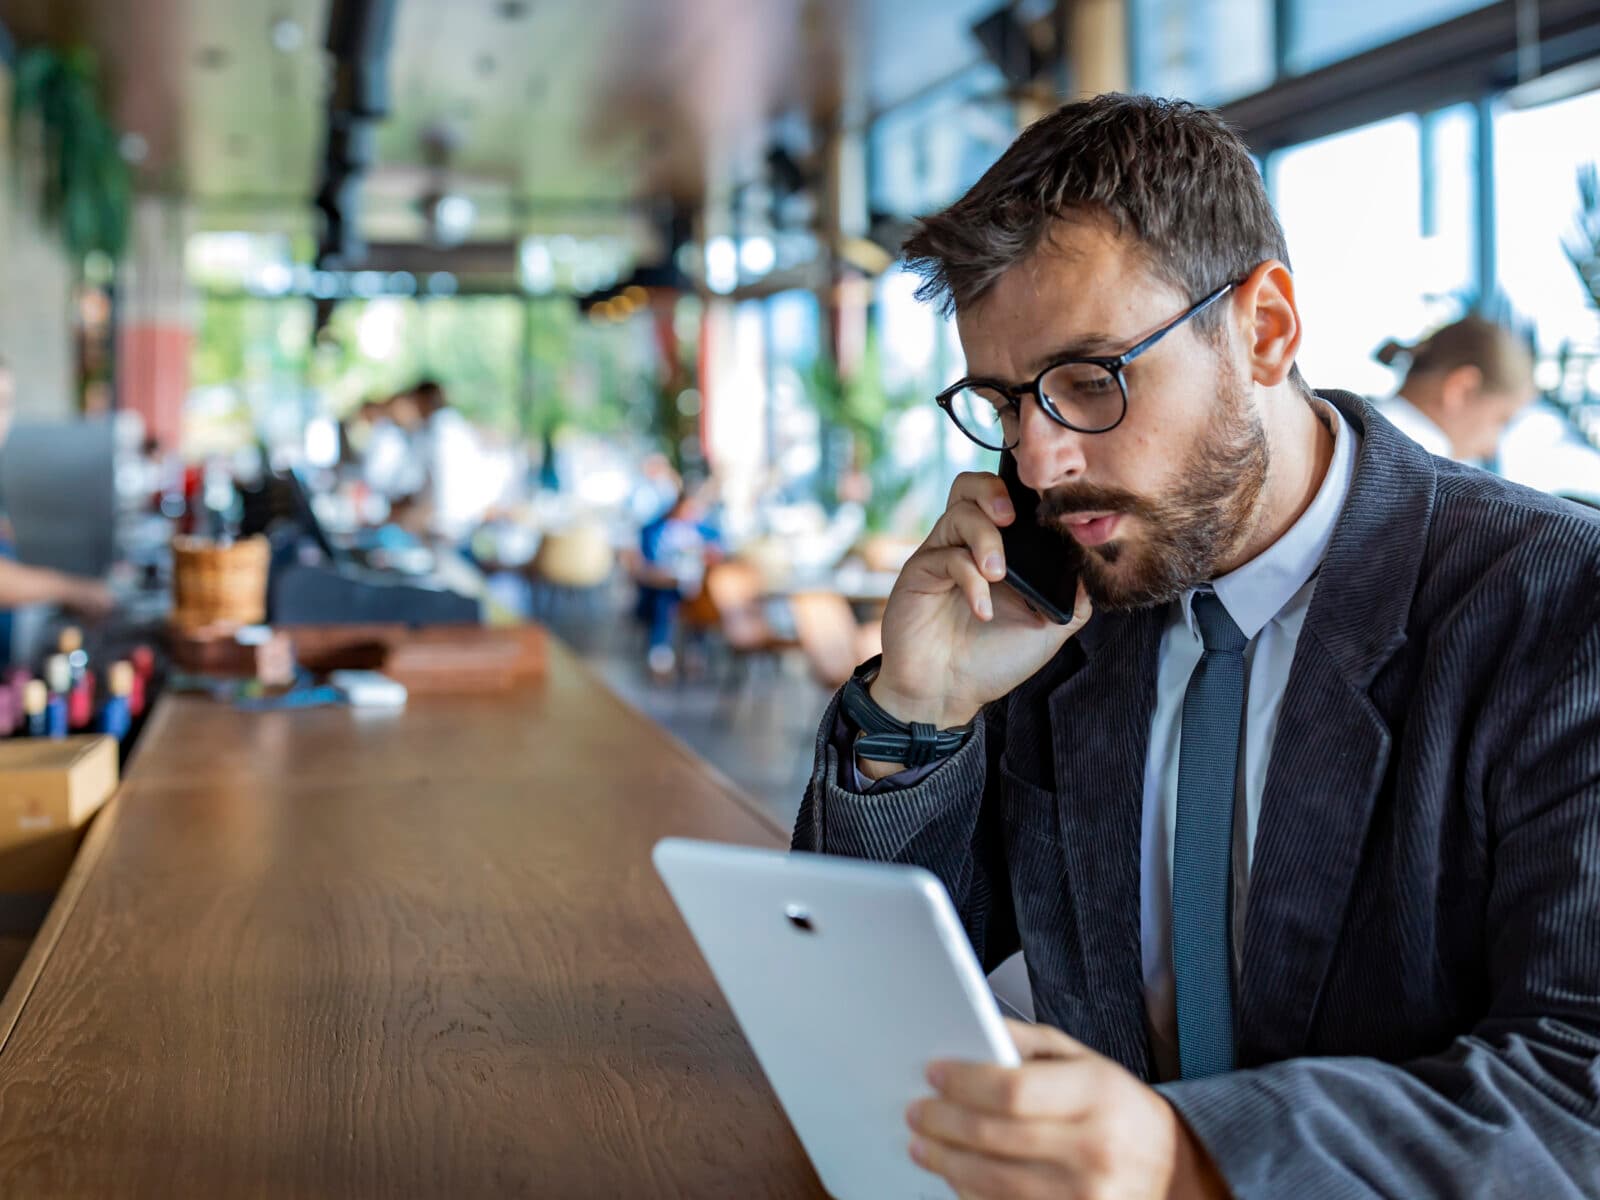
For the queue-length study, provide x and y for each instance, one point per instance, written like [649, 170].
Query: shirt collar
[1257, 592]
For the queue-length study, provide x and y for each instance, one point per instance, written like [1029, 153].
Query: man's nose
[1047, 452]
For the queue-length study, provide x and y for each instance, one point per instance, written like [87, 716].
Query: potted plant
[83, 181]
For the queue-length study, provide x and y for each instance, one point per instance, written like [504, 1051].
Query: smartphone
[1041, 564]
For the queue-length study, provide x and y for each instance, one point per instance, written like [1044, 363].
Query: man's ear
[1269, 322]
[1460, 387]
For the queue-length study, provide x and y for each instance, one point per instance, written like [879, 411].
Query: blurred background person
[22, 585]
[674, 550]
[1464, 386]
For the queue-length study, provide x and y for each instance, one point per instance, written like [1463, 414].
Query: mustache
[1087, 497]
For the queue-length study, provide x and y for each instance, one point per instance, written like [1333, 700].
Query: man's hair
[1501, 355]
[1171, 177]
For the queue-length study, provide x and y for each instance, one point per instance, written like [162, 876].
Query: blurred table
[424, 954]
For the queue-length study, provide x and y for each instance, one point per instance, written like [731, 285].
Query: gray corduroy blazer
[1419, 1007]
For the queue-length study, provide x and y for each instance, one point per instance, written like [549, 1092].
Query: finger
[1082, 609]
[1043, 1041]
[965, 524]
[987, 491]
[1046, 1087]
[972, 1174]
[1002, 1137]
[936, 571]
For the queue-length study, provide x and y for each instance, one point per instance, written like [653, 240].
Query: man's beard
[1188, 532]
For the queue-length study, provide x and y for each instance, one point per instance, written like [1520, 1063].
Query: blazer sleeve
[1512, 1108]
[947, 823]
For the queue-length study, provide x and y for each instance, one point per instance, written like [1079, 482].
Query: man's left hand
[1067, 1123]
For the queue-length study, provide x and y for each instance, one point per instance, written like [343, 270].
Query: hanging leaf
[1583, 246]
[84, 185]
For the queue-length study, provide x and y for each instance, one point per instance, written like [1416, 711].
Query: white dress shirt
[1267, 598]
[1415, 424]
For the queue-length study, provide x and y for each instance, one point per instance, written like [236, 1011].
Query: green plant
[85, 187]
[857, 416]
[1583, 249]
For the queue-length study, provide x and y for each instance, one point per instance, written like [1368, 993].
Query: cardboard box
[48, 792]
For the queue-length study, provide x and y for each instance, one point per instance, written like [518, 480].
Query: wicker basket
[219, 584]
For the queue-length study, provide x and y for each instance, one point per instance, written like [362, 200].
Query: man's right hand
[89, 598]
[952, 641]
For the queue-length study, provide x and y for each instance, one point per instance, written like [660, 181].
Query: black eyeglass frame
[1113, 366]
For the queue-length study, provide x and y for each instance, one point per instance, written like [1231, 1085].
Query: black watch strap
[886, 739]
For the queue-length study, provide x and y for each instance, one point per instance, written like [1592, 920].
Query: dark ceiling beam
[360, 35]
[1459, 60]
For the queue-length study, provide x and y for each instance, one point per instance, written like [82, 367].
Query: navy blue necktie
[1202, 852]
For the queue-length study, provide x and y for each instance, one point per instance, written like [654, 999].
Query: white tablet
[848, 979]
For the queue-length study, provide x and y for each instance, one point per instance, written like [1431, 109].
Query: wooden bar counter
[326, 953]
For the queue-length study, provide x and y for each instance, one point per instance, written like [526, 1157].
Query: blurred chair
[831, 639]
[736, 592]
[571, 574]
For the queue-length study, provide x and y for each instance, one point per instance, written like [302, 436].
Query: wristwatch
[886, 739]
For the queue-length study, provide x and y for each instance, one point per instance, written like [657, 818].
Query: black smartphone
[1041, 564]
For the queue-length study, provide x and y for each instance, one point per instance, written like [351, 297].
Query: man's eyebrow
[1088, 345]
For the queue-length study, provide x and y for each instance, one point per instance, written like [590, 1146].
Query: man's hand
[89, 598]
[1066, 1124]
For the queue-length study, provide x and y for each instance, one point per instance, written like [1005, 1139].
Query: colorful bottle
[35, 706]
[144, 666]
[80, 697]
[116, 717]
[17, 680]
[58, 677]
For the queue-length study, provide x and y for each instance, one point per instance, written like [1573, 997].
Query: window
[1208, 51]
[1537, 156]
[1320, 32]
[1350, 206]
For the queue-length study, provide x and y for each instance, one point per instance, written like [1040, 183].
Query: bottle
[35, 703]
[144, 666]
[80, 696]
[116, 717]
[58, 676]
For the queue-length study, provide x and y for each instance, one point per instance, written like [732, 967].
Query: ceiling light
[287, 35]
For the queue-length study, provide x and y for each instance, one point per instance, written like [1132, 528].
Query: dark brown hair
[1502, 356]
[1171, 176]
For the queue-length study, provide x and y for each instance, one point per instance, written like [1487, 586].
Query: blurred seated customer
[23, 585]
[388, 464]
[1464, 385]
[447, 463]
[673, 550]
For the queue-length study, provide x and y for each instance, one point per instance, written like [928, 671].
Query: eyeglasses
[1088, 395]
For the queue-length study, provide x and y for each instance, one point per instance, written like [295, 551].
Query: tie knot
[1217, 628]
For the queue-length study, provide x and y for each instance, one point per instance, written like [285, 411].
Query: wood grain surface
[324, 953]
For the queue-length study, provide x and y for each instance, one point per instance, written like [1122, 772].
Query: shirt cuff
[850, 777]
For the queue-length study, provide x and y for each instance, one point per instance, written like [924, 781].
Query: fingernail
[919, 1150]
[936, 1075]
[1002, 508]
[993, 565]
[985, 610]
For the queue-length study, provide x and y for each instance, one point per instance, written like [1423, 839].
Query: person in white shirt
[1466, 383]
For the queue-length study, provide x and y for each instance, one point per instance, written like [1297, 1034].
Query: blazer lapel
[1330, 753]
[1100, 723]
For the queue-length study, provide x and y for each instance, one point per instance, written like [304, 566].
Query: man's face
[1156, 503]
[1483, 423]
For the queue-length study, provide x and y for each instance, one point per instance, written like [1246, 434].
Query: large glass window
[1368, 265]
[924, 155]
[1537, 156]
[1321, 32]
[1208, 51]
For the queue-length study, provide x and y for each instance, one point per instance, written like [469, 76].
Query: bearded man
[1297, 822]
